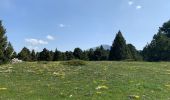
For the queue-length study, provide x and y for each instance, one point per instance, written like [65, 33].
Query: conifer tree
[119, 49]
[135, 55]
[25, 54]
[57, 55]
[6, 48]
[78, 53]
[33, 55]
[9, 52]
[159, 48]
[44, 55]
[69, 55]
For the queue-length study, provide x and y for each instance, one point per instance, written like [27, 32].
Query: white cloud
[130, 3]
[33, 48]
[62, 25]
[36, 41]
[49, 37]
[138, 7]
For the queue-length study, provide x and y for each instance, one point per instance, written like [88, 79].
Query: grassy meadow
[93, 81]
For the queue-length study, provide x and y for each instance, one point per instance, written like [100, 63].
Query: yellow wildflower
[98, 92]
[101, 87]
[134, 97]
[3, 88]
[167, 85]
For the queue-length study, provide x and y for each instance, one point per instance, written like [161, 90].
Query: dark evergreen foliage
[6, 49]
[45, 55]
[78, 53]
[33, 56]
[135, 55]
[57, 56]
[159, 48]
[100, 54]
[69, 55]
[25, 54]
[119, 50]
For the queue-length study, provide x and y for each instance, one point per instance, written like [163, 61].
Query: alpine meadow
[84, 50]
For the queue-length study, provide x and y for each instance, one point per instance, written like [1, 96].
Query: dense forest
[157, 50]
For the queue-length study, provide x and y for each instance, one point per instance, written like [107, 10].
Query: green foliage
[57, 56]
[135, 55]
[6, 49]
[33, 56]
[69, 55]
[24, 54]
[14, 55]
[85, 56]
[119, 50]
[100, 54]
[78, 53]
[45, 55]
[159, 48]
[8, 52]
[74, 63]
[90, 54]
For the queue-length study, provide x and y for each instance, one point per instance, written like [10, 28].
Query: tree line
[157, 50]
[119, 51]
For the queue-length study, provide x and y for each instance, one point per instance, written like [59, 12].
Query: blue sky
[66, 24]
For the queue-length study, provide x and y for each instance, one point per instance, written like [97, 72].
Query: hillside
[96, 80]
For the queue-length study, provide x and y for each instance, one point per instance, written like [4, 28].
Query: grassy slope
[53, 81]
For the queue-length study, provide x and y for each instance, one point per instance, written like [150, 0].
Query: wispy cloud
[32, 41]
[130, 3]
[62, 25]
[33, 48]
[138, 7]
[49, 37]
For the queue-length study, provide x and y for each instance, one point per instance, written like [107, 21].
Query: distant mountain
[105, 46]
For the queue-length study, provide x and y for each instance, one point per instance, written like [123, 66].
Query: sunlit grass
[95, 80]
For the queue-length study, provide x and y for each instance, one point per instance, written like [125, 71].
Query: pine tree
[9, 52]
[25, 54]
[135, 55]
[159, 48]
[69, 55]
[85, 56]
[44, 55]
[100, 54]
[33, 55]
[14, 55]
[90, 54]
[57, 55]
[4, 45]
[119, 49]
[78, 53]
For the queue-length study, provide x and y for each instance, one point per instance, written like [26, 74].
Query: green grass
[93, 81]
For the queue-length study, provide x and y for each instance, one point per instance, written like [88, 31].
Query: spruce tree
[119, 49]
[159, 48]
[90, 54]
[44, 55]
[33, 55]
[78, 53]
[25, 54]
[5, 47]
[69, 55]
[57, 55]
[100, 54]
[9, 52]
[135, 55]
